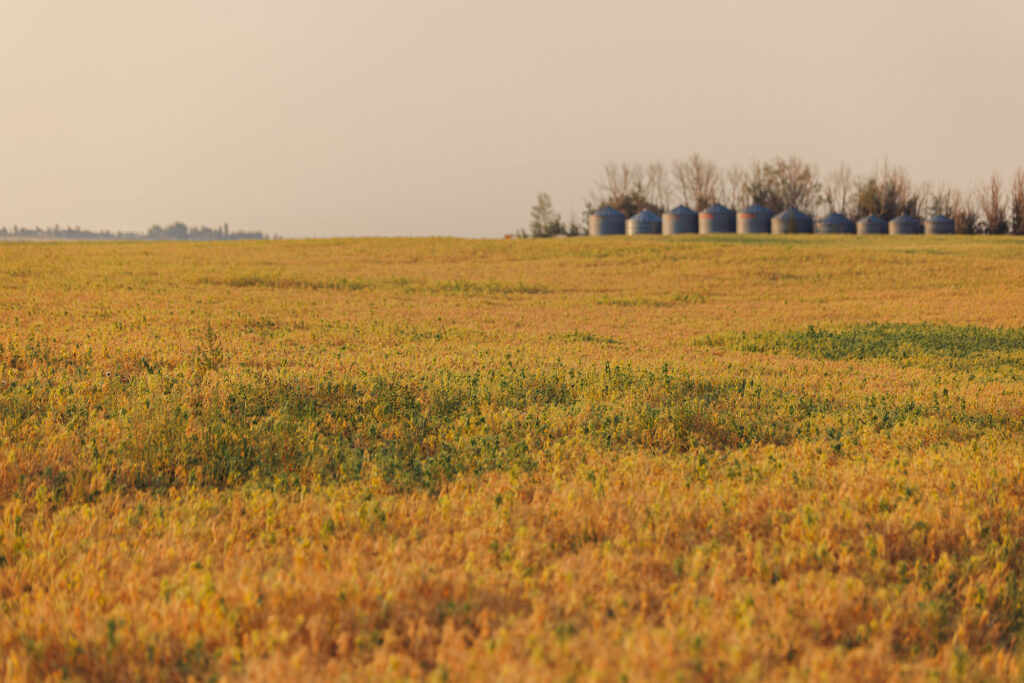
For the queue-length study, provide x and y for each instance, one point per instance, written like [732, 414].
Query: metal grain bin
[905, 225]
[607, 221]
[644, 223]
[754, 219]
[679, 220]
[835, 224]
[716, 218]
[872, 225]
[792, 221]
[939, 225]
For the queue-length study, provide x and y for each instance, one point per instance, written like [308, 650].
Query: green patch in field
[656, 302]
[467, 287]
[213, 424]
[475, 287]
[283, 282]
[966, 347]
[580, 336]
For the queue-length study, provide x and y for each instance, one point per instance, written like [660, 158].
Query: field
[584, 459]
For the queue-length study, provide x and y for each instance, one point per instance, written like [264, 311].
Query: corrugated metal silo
[679, 220]
[716, 218]
[905, 225]
[792, 221]
[835, 224]
[939, 225]
[607, 221]
[644, 223]
[872, 225]
[754, 219]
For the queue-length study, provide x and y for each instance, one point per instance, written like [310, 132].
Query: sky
[333, 118]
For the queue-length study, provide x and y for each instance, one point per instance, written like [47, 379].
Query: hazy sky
[423, 117]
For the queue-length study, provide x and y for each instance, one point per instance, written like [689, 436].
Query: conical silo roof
[836, 218]
[607, 211]
[717, 208]
[791, 213]
[646, 216]
[758, 210]
[682, 211]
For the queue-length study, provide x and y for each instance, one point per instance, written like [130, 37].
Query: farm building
[905, 225]
[716, 218]
[678, 221]
[754, 219]
[939, 225]
[644, 223]
[607, 221]
[872, 225]
[835, 224]
[791, 221]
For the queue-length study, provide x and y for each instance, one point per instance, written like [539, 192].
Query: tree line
[173, 232]
[995, 206]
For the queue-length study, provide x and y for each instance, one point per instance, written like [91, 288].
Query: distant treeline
[174, 232]
[994, 206]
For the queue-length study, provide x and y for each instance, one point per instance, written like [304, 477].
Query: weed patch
[967, 347]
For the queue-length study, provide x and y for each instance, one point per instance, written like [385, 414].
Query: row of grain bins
[757, 219]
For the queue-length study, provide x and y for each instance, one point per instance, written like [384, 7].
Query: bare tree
[990, 199]
[659, 187]
[888, 193]
[1016, 202]
[781, 183]
[963, 212]
[622, 187]
[698, 180]
[735, 192]
[837, 191]
[938, 200]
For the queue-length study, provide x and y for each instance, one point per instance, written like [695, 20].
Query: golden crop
[704, 458]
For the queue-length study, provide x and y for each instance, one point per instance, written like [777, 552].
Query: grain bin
[716, 218]
[872, 225]
[679, 220]
[939, 225]
[607, 221]
[905, 225]
[644, 223]
[792, 221]
[754, 219]
[835, 224]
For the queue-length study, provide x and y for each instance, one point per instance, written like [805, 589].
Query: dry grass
[569, 459]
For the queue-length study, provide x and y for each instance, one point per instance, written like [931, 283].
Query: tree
[735, 193]
[990, 199]
[781, 183]
[888, 193]
[623, 188]
[962, 211]
[837, 191]
[1016, 202]
[938, 200]
[698, 180]
[658, 187]
[544, 222]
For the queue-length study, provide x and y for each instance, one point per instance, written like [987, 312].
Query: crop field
[736, 458]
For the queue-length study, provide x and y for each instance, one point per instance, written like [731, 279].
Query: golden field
[582, 459]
